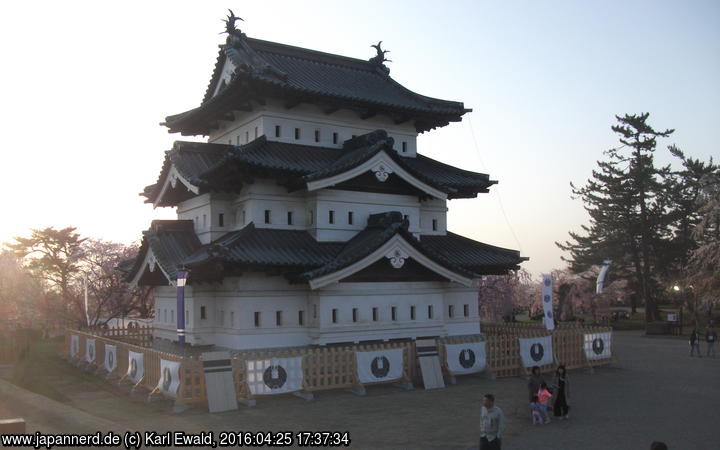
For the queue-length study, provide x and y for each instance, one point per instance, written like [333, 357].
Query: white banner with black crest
[547, 290]
[135, 366]
[598, 345]
[74, 345]
[466, 358]
[381, 365]
[90, 350]
[274, 375]
[536, 351]
[169, 377]
[110, 358]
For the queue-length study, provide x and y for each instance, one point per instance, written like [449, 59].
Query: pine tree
[626, 199]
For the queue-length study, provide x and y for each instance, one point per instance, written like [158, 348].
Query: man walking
[695, 343]
[711, 338]
[492, 424]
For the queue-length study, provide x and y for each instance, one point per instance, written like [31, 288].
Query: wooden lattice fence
[333, 367]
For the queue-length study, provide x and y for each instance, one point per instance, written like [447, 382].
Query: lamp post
[181, 279]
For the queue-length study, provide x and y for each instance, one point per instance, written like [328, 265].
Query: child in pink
[544, 396]
[535, 408]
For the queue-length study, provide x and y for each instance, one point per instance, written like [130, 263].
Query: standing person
[544, 396]
[562, 395]
[535, 411]
[492, 424]
[536, 379]
[695, 342]
[711, 338]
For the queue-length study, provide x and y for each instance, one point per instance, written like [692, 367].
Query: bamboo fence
[331, 367]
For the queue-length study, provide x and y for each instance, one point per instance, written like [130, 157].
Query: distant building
[309, 217]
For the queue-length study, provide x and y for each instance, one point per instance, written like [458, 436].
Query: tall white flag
[547, 290]
[601, 277]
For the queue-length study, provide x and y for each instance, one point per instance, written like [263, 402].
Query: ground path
[656, 393]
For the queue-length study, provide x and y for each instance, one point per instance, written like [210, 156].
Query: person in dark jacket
[562, 393]
[711, 339]
[536, 379]
[695, 343]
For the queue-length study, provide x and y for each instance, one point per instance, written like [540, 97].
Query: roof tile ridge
[291, 51]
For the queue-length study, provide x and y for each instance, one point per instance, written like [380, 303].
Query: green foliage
[626, 199]
[52, 255]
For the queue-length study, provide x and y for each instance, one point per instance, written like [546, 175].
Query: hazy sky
[84, 85]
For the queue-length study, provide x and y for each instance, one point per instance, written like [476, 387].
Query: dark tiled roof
[218, 166]
[253, 246]
[270, 69]
[300, 257]
[191, 159]
[470, 254]
[171, 241]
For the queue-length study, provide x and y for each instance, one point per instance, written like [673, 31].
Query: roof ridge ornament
[242, 55]
[230, 28]
[380, 58]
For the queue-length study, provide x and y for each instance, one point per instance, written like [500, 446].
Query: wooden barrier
[334, 367]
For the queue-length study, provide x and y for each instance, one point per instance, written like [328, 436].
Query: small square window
[412, 313]
[203, 315]
[405, 217]
[267, 216]
[393, 312]
[434, 224]
[310, 217]
[247, 137]
[244, 217]
[230, 141]
[289, 218]
[404, 147]
[355, 314]
[237, 140]
[451, 311]
[277, 130]
[315, 311]
[257, 318]
[297, 133]
[256, 132]
[466, 310]
[350, 217]
[430, 311]
[331, 217]
[278, 318]
[375, 314]
[221, 220]
[232, 318]
[204, 220]
[301, 318]
[335, 138]
[334, 315]
[317, 135]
